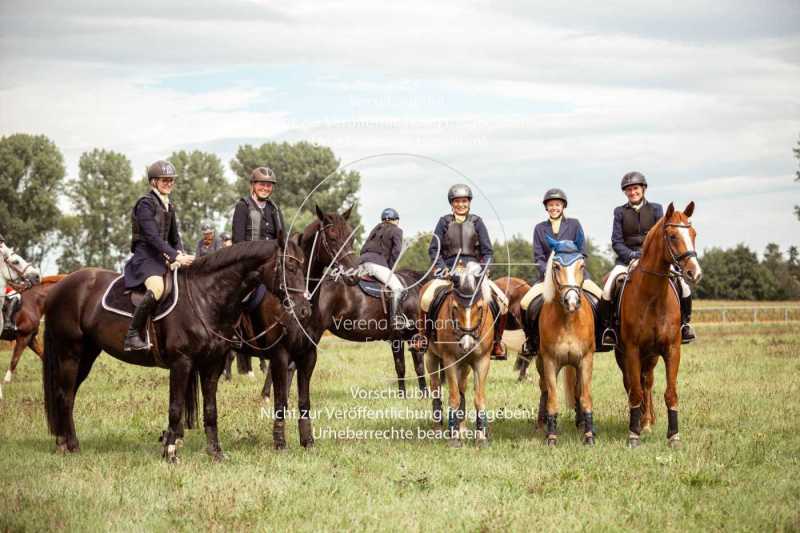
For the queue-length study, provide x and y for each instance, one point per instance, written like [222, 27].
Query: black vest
[163, 220]
[460, 237]
[379, 240]
[256, 227]
[635, 225]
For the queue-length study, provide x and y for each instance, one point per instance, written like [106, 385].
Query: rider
[209, 243]
[156, 246]
[463, 237]
[558, 227]
[256, 217]
[378, 257]
[225, 238]
[632, 221]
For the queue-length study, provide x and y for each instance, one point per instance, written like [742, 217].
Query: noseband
[25, 283]
[459, 329]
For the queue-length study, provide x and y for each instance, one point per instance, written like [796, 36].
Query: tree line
[95, 229]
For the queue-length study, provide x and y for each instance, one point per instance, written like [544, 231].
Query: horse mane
[650, 237]
[53, 279]
[549, 291]
[226, 257]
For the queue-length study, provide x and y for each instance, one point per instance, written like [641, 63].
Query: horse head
[284, 275]
[467, 317]
[679, 239]
[566, 270]
[328, 243]
[16, 271]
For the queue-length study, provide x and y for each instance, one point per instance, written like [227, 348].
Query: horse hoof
[482, 443]
[588, 440]
[455, 443]
[307, 444]
[218, 457]
[674, 442]
[647, 429]
[279, 446]
[551, 441]
[8, 377]
[633, 442]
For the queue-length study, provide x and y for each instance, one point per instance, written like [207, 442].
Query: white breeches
[384, 275]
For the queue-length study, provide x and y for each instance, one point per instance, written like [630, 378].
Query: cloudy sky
[518, 97]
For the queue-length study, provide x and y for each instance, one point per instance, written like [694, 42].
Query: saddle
[11, 307]
[436, 303]
[121, 301]
[372, 287]
[617, 290]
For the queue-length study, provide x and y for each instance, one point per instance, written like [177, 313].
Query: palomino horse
[566, 326]
[464, 333]
[191, 340]
[650, 320]
[27, 321]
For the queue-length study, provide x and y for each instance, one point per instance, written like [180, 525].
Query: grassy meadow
[739, 468]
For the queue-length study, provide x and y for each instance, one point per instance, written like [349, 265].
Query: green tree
[784, 271]
[300, 167]
[735, 274]
[415, 255]
[31, 172]
[98, 233]
[201, 193]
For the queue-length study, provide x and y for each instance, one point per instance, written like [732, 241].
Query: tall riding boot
[398, 321]
[687, 331]
[498, 348]
[135, 340]
[9, 326]
[531, 346]
[605, 310]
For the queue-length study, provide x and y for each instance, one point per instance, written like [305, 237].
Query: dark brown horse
[650, 319]
[192, 341]
[515, 289]
[27, 321]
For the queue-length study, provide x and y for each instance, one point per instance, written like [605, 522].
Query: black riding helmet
[633, 178]
[161, 169]
[555, 194]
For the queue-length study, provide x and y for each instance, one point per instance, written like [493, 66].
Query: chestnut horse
[650, 319]
[193, 340]
[464, 331]
[566, 326]
[27, 321]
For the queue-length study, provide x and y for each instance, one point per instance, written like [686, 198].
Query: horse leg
[209, 380]
[648, 378]
[228, 363]
[75, 375]
[419, 368]
[19, 347]
[619, 356]
[454, 402]
[305, 368]
[572, 393]
[179, 373]
[521, 364]
[481, 369]
[672, 361]
[633, 371]
[279, 365]
[542, 414]
[399, 364]
[463, 374]
[266, 390]
[550, 378]
[585, 401]
[432, 363]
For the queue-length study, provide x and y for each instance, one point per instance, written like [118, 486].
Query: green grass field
[739, 468]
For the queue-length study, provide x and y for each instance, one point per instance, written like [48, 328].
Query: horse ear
[670, 211]
[551, 242]
[689, 210]
[346, 214]
[579, 239]
[320, 214]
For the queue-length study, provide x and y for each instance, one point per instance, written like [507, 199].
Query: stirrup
[609, 332]
[688, 335]
[135, 343]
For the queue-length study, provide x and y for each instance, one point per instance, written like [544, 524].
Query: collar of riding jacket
[460, 218]
[555, 223]
[163, 197]
[638, 206]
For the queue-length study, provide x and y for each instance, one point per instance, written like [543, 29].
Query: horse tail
[570, 384]
[192, 399]
[53, 396]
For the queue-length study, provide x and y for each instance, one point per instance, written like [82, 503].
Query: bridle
[473, 332]
[675, 260]
[326, 245]
[565, 288]
[25, 283]
[280, 281]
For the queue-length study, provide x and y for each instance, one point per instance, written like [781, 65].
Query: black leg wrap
[636, 420]
[672, 422]
[588, 423]
[482, 422]
[462, 407]
[452, 423]
[437, 410]
[551, 424]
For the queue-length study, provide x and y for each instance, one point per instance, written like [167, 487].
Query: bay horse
[27, 321]
[464, 334]
[515, 289]
[650, 319]
[191, 341]
[566, 339]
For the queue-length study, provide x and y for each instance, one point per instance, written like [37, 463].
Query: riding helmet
[161, 169]
[633, 178]
[555, 194]
[263, 174]
[390, 214]
[459, 190]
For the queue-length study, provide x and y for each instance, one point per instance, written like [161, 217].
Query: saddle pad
[430, 290]
[117, 299]
[372, 287]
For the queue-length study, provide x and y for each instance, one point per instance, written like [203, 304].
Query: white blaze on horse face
[572, 299]
[695, 264]
[466, 343]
